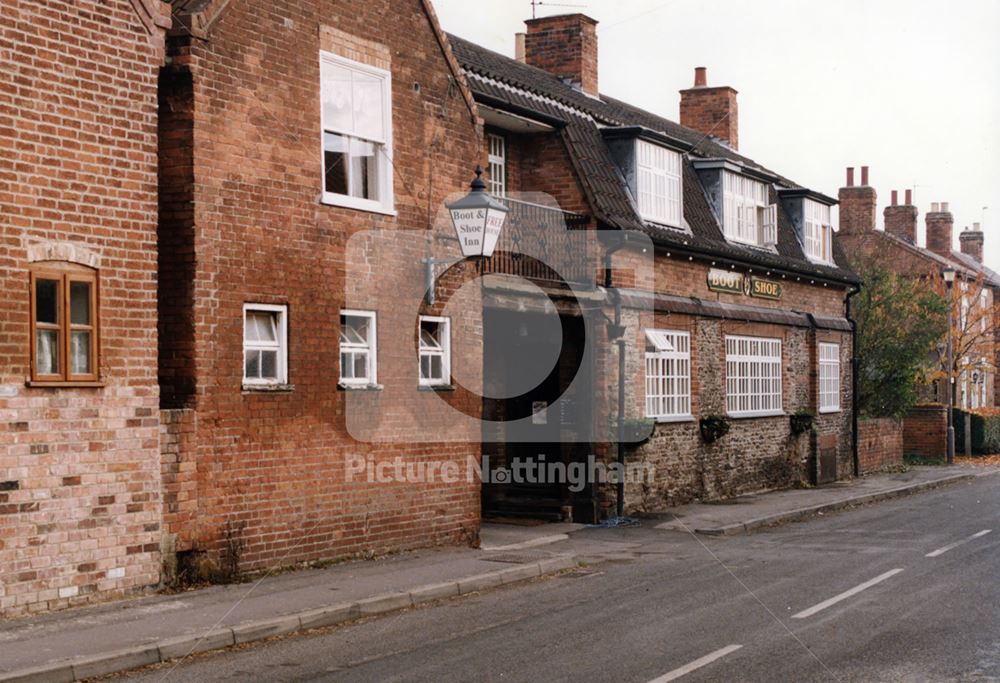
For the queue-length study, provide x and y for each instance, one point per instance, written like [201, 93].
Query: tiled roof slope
[505, 83]
[991, 277]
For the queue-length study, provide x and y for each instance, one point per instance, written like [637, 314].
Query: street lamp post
[949, 280]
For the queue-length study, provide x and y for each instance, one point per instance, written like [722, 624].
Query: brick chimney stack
[565, 46]
[901, 219]
[857, 205]
[971, 242]
[711, 111]
[939, 229]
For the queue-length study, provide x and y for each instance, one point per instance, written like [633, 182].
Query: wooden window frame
[371, 349]
[659, 180]
[497, 164]
[444, 352]
[65, 274]
[280, 313]
[668, 374]
[753, 371]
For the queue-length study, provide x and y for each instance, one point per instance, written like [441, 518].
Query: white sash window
[829, 378]
[357, 134]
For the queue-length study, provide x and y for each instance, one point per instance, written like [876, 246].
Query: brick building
[897, 247]
[287, 132]
[740, 315]
[79, 449]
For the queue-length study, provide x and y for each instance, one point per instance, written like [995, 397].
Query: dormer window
[817, 231]
[658, 176]
[748, 215]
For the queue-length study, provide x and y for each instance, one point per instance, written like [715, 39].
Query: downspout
[855, 413]
[620, 421]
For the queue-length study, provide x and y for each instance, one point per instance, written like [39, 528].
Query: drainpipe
[854, 379]
[620, 421]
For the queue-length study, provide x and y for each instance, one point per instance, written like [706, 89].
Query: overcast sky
[910, 88]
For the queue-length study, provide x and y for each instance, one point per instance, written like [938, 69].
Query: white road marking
[942, 551]
[846, 594]
[696, 664]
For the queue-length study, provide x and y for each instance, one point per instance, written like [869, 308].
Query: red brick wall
[857, 209]
[79, 467]
[925, 431]
[566, 46]
[880, 444]
[939, 232]
[901, 221]
[971, 243]
[271, 465]
[712, 111]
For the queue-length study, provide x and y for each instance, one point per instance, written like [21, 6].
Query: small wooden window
[65, 338]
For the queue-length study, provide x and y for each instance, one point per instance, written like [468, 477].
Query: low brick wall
[880, 444]
[925, 431]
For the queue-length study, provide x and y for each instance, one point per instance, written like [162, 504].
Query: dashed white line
[846, 594]
[942, 551]
[696, 664]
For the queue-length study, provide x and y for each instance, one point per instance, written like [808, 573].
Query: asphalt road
[852, 596]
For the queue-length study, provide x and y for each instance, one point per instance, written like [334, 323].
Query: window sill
[359, 387]
[435, 387]
[268, 388]
[43, 384]
[668, 419]
[763, 413]
[828, 411]
[347, 202]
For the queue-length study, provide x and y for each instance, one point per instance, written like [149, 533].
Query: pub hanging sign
[737, 283]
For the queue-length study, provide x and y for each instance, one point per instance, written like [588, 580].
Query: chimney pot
[975, 226]
[944, 207]
[700, 76]
[895, 197]
[864, 175]
[934, 207]
[850, 176]
[519, 46]
[909, 197]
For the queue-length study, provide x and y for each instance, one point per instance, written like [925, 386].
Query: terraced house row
[232, 290]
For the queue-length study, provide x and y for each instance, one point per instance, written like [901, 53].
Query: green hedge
[985, 432]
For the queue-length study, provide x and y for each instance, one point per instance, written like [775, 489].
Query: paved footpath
[92, 641]
[747, 513]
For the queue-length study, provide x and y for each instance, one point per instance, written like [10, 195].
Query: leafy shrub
[714, 427]
[985, 430]
[802, 421]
